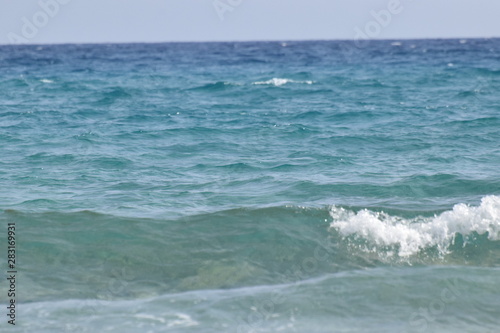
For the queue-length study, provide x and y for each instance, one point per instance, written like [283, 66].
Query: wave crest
[410, 236]
[279, 82]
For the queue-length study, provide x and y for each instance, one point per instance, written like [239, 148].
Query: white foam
[412, 235]
[183, 320]
[149, 317]
[279, 82]
[46, 81]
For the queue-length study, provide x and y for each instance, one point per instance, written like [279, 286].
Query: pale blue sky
[101, 21]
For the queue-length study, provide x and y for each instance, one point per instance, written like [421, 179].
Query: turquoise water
[253, 187]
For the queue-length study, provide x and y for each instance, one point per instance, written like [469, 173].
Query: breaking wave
[410, 236]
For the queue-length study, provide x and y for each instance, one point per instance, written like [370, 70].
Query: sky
[118, 21]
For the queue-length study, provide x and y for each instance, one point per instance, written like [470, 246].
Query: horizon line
[252, 41]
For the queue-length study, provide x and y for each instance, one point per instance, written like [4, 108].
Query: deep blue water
[253, 187]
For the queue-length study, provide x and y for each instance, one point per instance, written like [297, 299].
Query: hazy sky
[86, 21]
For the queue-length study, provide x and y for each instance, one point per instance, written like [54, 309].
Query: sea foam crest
[279, 82]
[410, 236]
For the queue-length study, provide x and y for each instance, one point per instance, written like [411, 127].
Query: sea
[285, 186]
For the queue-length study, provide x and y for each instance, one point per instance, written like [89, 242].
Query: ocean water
[252, 187]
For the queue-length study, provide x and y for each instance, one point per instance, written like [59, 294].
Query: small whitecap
[463, 41]
[396, 43]
[279, 82]
[274, 82]
[46, 81]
